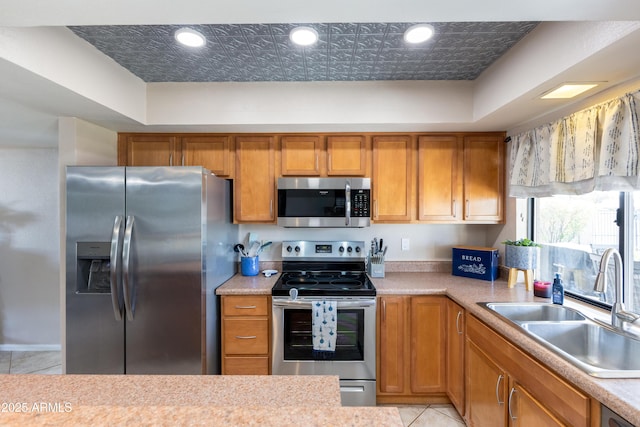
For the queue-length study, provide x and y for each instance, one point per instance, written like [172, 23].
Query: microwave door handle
[347, 199]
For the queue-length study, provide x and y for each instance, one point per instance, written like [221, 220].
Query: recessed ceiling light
[418, 33]
[303, 36]
[190, 37]
[568, 90]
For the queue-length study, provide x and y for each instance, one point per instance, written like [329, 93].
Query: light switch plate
[405, 244]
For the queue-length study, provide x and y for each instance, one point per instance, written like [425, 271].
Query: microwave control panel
[360, 203]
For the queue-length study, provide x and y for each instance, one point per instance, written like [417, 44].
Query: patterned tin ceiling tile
[344, 51]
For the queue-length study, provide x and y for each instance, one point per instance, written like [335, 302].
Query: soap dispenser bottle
[557, 290]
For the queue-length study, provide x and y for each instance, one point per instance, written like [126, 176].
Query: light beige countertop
[172, 390]
[181, 400]
[209, 416]
[621, 395]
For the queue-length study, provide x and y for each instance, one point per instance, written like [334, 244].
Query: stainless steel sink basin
[534, 312]
[596, 349]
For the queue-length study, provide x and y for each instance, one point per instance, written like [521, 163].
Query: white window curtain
[593, 149]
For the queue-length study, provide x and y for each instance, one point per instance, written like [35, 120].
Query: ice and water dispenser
[93, 267]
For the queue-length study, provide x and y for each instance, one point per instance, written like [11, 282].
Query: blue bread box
[475, 262]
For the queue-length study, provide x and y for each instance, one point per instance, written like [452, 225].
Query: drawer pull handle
[511, 395]
[500, 378]
[252, 337]
[245, 307]
[458, 330]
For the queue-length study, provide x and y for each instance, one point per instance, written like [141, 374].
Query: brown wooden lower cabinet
[245, 335]
[505, 386]
[411, 349]
[455, 357]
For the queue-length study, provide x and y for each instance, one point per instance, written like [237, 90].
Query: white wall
[32, 230]
[29, 249]
[428, 242]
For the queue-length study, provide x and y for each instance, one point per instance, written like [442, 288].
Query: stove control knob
[358, 249]
[297, 249]
[289, 248]
[349, 249]
[341, 249]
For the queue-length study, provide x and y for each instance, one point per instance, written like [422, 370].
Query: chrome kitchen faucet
[618, 313]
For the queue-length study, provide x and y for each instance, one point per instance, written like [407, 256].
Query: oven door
[354, 357]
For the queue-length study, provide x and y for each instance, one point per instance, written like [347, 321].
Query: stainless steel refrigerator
[146, 249]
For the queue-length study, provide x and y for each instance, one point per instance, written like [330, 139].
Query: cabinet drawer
[250, 336]
[246, 365]
[245, 306]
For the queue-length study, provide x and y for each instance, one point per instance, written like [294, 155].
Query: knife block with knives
[375, 259]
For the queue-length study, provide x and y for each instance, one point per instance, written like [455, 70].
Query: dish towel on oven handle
[324, 328]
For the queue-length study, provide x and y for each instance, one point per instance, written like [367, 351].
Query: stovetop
[323, 268]
[324, 284]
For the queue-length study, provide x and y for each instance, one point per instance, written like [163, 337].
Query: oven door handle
[307, 303]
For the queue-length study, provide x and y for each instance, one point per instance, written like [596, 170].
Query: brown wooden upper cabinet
[392, 178]
[461, 178]
[447, 178]
[148, 150]
[344, 155]
[301, 155]
[483, 178]
[254, 187]
[211, 152]
[439, 183]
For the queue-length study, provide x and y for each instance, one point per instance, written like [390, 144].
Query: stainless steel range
[324, 317]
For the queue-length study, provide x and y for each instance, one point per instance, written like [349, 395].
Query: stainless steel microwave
[324, 202]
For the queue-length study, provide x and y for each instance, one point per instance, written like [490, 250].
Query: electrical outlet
[405, 244]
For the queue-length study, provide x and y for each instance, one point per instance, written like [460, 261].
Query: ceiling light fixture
[418, 33]
[303, 36]
[190, 37]
[568, 90]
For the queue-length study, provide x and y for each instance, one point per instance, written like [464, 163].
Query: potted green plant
[521, 254]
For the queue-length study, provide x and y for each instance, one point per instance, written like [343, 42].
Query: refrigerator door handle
[114, 264]
[126, 264]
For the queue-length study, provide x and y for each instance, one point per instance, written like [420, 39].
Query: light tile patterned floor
[430, 415]
[48, 362]
[30, 362]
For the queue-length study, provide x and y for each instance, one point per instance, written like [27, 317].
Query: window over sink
[574, 231]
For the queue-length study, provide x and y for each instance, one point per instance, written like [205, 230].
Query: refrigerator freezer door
[94, 338]
[165, 271]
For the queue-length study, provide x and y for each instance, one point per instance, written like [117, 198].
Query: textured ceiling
[344, 52]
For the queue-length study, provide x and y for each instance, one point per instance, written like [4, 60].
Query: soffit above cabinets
[344, 52]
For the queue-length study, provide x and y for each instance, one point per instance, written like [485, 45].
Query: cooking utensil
[264, 245]
[240, 249]
[253, 250]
